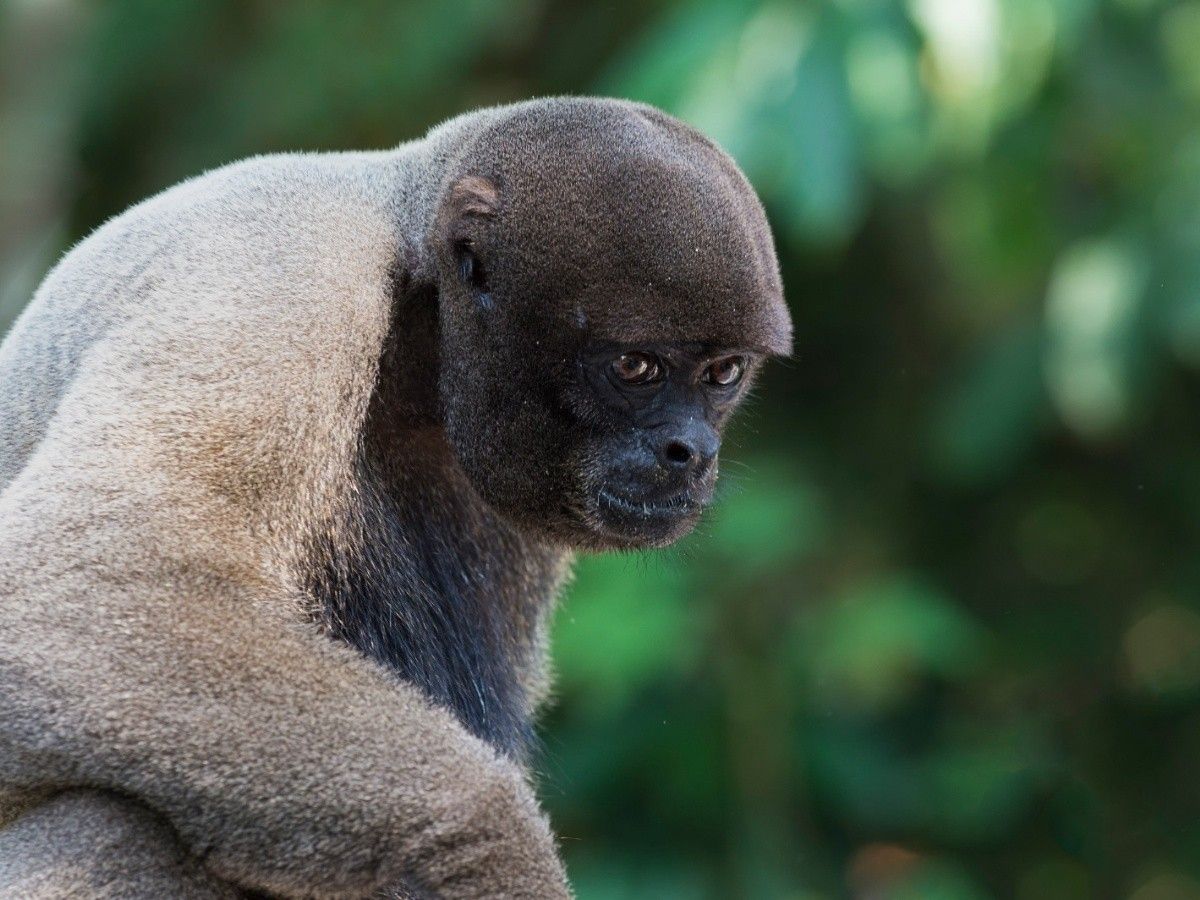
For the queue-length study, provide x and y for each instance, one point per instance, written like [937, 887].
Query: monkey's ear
[467, 203]
[474, 195]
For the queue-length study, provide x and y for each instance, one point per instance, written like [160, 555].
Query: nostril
[679, 453]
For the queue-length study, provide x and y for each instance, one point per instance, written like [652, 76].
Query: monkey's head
[608, 290]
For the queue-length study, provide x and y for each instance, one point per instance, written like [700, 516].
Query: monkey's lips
[647, 518]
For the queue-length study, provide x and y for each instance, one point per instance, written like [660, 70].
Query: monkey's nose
[687, 448]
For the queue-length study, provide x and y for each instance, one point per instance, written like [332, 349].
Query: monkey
[295, 459]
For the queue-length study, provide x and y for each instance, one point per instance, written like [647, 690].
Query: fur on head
[596, 262]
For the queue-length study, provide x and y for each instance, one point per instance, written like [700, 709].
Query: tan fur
[87, 845]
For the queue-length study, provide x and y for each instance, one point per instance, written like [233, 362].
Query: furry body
[271, 592]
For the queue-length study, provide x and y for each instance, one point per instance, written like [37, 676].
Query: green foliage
[868, 650]
[941, 637]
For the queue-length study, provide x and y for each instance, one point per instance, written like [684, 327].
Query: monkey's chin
[623, 522]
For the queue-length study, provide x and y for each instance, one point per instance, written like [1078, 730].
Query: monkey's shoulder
[269, 279]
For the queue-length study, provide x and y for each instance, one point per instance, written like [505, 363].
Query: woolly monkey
[294, 458]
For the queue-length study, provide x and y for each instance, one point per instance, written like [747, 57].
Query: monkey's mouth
[680, 504]
[633, 519]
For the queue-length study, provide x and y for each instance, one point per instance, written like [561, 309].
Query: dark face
[656, 435]
[598, 441]
[607, 290]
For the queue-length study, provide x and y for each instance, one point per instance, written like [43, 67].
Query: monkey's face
[656, 412]
[573, 424]
[607, 289]
[604, 444]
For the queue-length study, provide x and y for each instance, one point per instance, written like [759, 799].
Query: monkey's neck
[437, 588]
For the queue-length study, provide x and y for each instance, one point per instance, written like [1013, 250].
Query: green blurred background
[941, 638]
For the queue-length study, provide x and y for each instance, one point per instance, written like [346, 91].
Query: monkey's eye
[726, 372]
[637, 368]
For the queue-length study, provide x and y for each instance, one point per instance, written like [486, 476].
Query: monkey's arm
[92, 844]
[284, 761]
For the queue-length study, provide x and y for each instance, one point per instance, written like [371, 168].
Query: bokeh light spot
[1093, 296]
[1162, 651]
